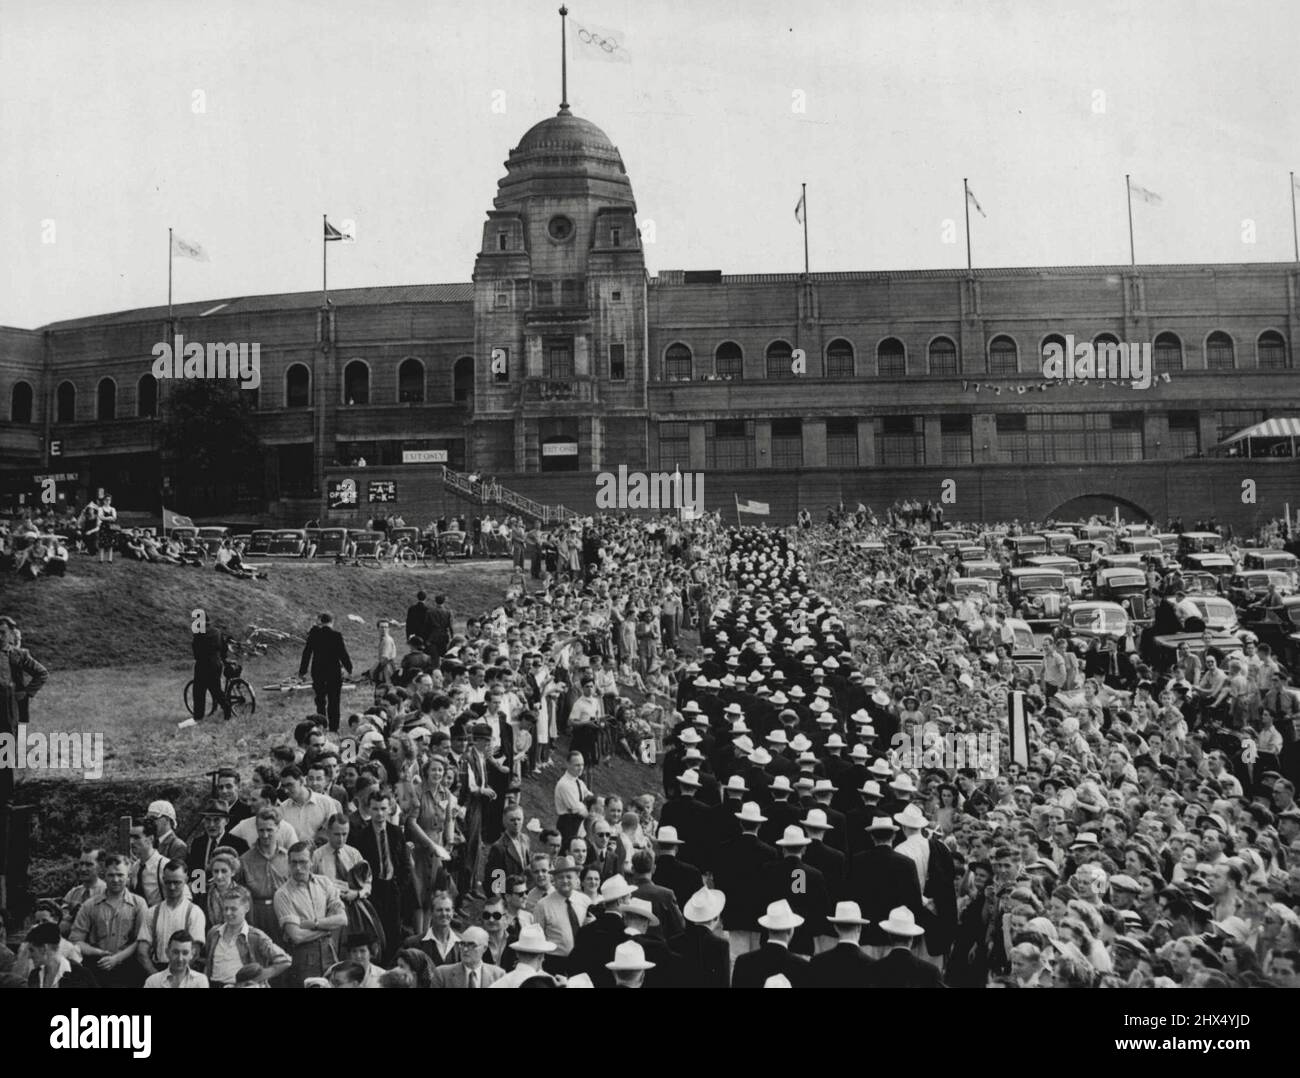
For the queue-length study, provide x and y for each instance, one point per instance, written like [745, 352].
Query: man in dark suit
[900, 968]
[439, 637]
[881, 879]
[689, 817]
[829, 861]
[509, 855]
[845, 965]
[382, 845]
[327, 654]
[215, 818]
[752, 970]
[598, 938]
[210, 648]
[738, 874]
[703, 957]
[418, 620]
[679, 877]
[792, 878]
[664, 903]
[940, 887]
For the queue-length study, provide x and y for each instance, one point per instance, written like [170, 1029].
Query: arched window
[146, 397]
[1271, 349]
[1219, 353]
[678, 364]
[65, 403]
[1004, 357]
[730, 360]
[356, 383]
[839, 359]
[462, 376]
[891, 359]
[779, 359]
[297, 386]
[1167, 353]
[943, 356]
[410, 382]
[20, 403]
[106, 399]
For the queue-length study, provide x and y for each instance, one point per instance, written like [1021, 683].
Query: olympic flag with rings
[599, 43]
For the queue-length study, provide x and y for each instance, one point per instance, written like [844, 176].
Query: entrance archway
[1083, 506]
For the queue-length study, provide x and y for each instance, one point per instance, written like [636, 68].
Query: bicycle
[258, 639]
[238, 692]
[431, 549]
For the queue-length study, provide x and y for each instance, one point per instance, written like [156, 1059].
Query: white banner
[424, 456]
[560, 449]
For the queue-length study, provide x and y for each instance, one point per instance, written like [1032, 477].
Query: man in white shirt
[180, 953]
[175, 915]
[246, 829]
[147, 871]
[570, 797]
[304, 810]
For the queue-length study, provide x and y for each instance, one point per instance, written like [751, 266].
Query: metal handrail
[481, 494]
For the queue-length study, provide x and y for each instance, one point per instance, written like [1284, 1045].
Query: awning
[1283, 427]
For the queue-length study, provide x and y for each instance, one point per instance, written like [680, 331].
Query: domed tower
[560, 309]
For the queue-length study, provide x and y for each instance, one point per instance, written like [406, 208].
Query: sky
[239, 122]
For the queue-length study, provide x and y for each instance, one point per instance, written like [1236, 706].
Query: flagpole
[965, 189]
[804, 199]
[169, 278]
[736, 498]
[324, 261]
[1295, 237]
[1128, 190]
[564, 62]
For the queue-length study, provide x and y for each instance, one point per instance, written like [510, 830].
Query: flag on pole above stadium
[188, 250]
[760, 509]
[970, 196]
[599, 43]
[175, 520]
[799, 209]
[332, 233]
[1144, 194]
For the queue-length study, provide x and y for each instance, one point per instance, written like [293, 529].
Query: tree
[208, 436]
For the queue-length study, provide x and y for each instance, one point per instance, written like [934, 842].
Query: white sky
[382, 112]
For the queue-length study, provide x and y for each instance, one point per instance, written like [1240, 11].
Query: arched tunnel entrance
[1083, 506]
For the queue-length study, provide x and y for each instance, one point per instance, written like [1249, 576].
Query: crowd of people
[797, 707]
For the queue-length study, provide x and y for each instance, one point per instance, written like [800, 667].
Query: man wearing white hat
[670, 871]
[168, 842]
[629, 965]
[532, 947]
[937, 877]
[598, 938]
[900, 967]
[738, 874]
[752, 970]
[845, 965]
[704, 959]
[829, 861]
[688, 816]
[803, 886]
[881, 878]
[780, 812]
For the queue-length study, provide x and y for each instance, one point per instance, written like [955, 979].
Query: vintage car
[1219, 615]
[1058, 542]
[1095, 618]
[968, 552]
[260, 541]
[1026, 652]
[409, 536]
[985, 570]
[1142, 545]
[367, 542]
[1198, 543]
[1081, 549]
[184, 535]
[1164, 650]
[974, 586]
[1279, 560]
[1219, 565]
[288, 542]
[1253, 586]
[1120, 583]
[947, 537]
[1041, 593]
[333, 542]
[1025, 546]
[210, 539]
[1169, 543]
[1196, 583]
[1121, 561]
[1279, 628]
[1095, 531]
[1067, 566]
[927, 553]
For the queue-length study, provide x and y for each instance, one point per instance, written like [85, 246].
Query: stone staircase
[482, 493]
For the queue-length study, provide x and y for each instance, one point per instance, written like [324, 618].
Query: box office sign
[342, 493]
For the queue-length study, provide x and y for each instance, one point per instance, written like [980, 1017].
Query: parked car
[1165, 648]
[260, 541]
[1219, 565]
[1081, 549]
[1024, 546]
[968, 552]
[367, 541]
[927, 553]
[1279, 560]
[985, 570]
[1219, 615]
[1198, 583]
[1041, 592]
[1095, 618]
[971, 585]
[288, 542]
[1198, 543]
[210, 539]
[1250, 587]
[1067, 566]
[1279, 629]
[1058, 542]
[332, 542]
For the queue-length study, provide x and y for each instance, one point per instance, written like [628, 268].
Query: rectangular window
[559, 357]
[729, 444]
[842, 442]
[900, 441]
[1013, 442]
[572, 294]
[787, 443]
[545, 293]
[503, 239]
[955, 439]
[503, 298]
[1049, 438]
[1185, 433]
[616, 296]
[1230, 422]
[674, 446]
[616, 237]
[617, 363]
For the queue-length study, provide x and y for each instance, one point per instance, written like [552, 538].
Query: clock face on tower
[560, 228]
